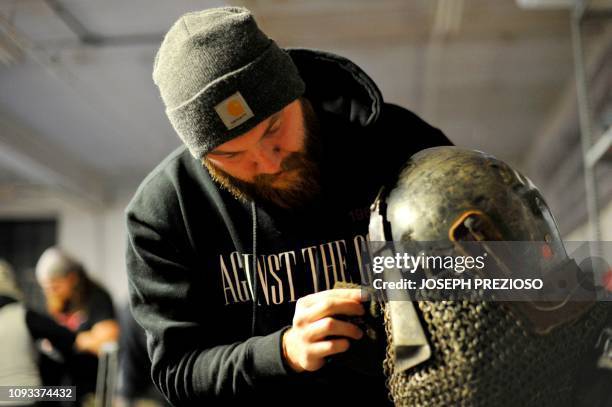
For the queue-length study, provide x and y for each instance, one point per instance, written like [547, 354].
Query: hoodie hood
[338, 86]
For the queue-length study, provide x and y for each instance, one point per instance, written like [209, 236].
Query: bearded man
[235, 241]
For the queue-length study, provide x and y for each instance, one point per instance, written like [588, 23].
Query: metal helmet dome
[464, 352]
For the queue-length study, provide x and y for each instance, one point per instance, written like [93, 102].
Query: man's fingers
[330, 306]
[334, 306]
[323, 349]
[348, 293]
[354, 294]
[332, 327]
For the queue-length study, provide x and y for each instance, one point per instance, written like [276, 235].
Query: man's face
[59, 289]
[274, 161]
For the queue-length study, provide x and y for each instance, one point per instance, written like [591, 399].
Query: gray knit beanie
[219, 76]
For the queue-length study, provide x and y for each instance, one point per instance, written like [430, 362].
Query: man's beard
[300, 170]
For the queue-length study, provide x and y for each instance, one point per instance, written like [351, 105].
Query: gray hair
[54, 262]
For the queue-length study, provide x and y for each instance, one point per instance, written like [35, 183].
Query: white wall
[115, 238]
[91, 232]
[582, 233]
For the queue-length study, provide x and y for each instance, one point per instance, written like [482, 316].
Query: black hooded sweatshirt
[192, 245]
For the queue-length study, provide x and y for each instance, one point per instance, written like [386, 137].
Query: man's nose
[268, 159]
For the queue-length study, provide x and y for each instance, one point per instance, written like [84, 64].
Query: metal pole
[107, 374]
[584, 116]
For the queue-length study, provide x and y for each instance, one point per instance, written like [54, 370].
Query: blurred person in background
[82, 306]
[20, 329]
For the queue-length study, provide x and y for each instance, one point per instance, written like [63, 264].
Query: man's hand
[91, 341]
[307, 343]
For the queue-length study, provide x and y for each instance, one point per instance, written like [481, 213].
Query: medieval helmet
[466, 352]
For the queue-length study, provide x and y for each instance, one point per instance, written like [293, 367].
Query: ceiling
[77, 85]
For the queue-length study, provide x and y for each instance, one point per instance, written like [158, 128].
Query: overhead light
[564, 4]
[546, 3]
[447, 19]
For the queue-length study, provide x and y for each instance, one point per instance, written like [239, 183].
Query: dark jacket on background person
[84, 367]
[81, 370]
[191, 247]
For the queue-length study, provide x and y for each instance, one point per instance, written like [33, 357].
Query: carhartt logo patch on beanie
[219, 76]
[234, 111]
